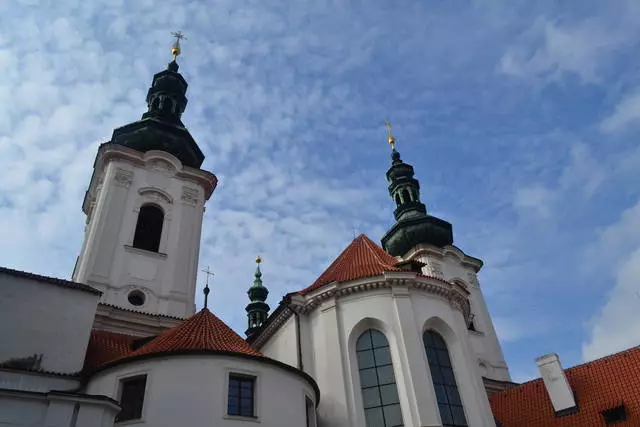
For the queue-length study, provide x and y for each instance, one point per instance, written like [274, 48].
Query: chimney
[555, 381]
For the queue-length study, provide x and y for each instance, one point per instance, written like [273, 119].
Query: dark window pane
[443, 358]
[441, 394]
[389, 394]
[374, 417]
[385, 375]
[132, 398]
[364, 342]
[432, 355]
[453, 395]
[368, 378]
[241, 396]
[365, 359]
[392, 415]
[378, 339]
[370, 397]
[382, 355]
[458, 416]
[428, 339]
[447, 376]
[445, 414]
[436, 375]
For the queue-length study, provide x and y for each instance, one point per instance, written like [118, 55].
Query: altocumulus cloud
[497, 107]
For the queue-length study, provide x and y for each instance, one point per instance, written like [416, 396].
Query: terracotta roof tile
[599, 385]
[203, 331]
[362, 258]
[106, 346]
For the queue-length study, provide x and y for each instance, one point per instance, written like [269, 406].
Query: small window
[311, 412]
[149, 228]
[405, 196]
[614, 415]
[131, 398]
[241, 396]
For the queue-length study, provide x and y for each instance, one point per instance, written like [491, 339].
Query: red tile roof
[203, 331]
[105, 347]
[362, 258]
[599, 385]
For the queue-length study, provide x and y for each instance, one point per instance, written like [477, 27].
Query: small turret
[257, 309]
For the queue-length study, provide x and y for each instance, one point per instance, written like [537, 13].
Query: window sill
[241, 418]
[477, 333]
[145, 252]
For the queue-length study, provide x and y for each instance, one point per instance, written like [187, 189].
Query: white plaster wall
[42, 410]
[42, 318]
[118, 189]
[402, 314]
[283, 345]
[449, 264]
[197, 386]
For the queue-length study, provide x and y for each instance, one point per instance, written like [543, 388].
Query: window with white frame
[241, 396]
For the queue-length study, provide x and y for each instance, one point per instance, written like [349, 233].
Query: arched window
[377, 381]
[398, 201]
[405, 196]
[148, 228]
[444, 381]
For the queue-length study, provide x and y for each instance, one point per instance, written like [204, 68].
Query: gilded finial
[390, 138]
[258, 259]
[175, 48]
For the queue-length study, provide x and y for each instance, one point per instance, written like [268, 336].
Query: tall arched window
[149, 228]
[377, 381]
[444, 381]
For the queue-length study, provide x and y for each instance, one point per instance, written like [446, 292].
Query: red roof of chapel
[599, 385]
[201, 332]
[362, 258]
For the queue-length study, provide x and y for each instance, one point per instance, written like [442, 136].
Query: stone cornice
[108, 152]
[466, 260]
[454, 293]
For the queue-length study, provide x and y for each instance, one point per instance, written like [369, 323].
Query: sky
[521, 119]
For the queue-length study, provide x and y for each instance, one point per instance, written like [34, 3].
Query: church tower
[144, 208]
[418, 236]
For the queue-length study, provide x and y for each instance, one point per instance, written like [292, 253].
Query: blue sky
[521, 119]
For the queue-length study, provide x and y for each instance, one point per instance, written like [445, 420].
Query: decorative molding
[123, 178]
[156, 194]
[455, 294]
[473, 279]
[190, 196]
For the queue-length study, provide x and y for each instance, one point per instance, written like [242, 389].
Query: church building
[389, 335]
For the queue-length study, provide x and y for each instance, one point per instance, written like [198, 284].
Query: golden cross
[390, 138]
[175, 48]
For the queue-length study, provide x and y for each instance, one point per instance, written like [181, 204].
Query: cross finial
[206, 290]
[390, 138]
[175, 48]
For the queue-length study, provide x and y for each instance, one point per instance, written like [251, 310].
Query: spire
[257, 309]
[161, 126]
[413, 225]
[206, 289]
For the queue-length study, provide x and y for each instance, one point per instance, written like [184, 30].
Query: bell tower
[145, 205]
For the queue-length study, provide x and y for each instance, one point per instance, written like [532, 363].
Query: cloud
[617, 326]
[626, 113]
[536, 198]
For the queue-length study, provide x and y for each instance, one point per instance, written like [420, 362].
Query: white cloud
[616, 327]
[626, 113]
[537, 199]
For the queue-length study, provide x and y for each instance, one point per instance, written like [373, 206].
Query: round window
[136, 298]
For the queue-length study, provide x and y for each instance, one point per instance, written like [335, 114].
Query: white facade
[400, 305]
[124, 180]
[45, 320]
[452, 265]
[194, 388]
